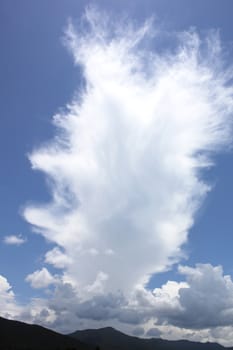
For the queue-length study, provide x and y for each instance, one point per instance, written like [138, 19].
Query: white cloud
[98, 286]
[125, 166]
[8, 304]
[206, 303]
[14, 240]
[223, 335]
[125, 176]
[198, 309]
[41, 278]
[57, 258]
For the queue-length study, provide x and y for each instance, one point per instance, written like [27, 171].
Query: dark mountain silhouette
[16, 335]
[111, 339]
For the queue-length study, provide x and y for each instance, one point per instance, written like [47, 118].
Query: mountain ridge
[17, 335]
[108, 338]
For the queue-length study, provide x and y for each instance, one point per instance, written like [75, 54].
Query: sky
[116, 166]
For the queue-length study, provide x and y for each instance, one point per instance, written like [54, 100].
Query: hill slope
[111, 339]
[16, 335]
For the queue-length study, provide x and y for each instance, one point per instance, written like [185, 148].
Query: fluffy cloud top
[57, 258]
[205, 302]
[41, 278]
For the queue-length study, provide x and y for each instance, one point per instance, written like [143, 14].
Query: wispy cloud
[14, 240]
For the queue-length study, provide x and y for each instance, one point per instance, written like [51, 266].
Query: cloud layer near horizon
[199, 308]
[125, 168]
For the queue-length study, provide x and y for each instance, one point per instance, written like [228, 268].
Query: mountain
[16, 335]
[111, 339]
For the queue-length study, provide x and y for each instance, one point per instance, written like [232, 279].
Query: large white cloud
[124, 170]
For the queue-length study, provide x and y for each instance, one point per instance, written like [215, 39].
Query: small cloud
[57, 258]
[14, 240]
[40, 279]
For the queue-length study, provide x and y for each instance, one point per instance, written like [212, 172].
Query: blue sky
[38, 79]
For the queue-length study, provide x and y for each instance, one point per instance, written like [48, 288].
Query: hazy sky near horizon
[116, 175]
